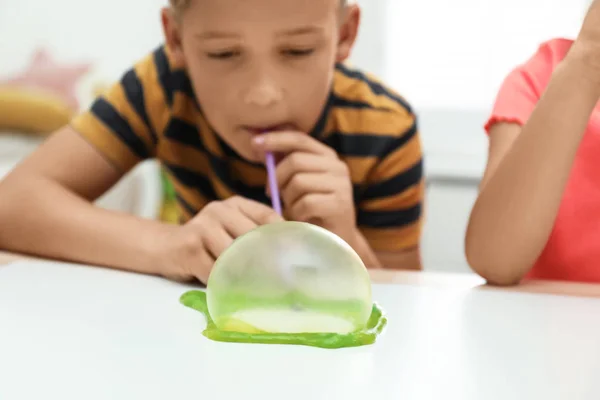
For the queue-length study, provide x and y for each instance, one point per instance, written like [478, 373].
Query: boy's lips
[257, 130]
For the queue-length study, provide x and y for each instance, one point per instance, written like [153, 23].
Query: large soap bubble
[289, 277]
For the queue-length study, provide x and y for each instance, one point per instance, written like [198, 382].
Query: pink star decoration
[45, 74]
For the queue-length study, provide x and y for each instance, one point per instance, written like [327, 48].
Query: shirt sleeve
[524, 85]
[122, 123]
[390, 209]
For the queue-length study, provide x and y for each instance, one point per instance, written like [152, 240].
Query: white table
[74, 332]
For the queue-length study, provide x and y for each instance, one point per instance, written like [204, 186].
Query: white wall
[442, 53]
[113, 33]
[372, 40]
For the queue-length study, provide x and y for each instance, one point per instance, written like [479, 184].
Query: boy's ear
[348, 31]
[172, 32]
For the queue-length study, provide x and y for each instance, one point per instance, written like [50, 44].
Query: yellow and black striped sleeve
[124, 122]
[389, 212]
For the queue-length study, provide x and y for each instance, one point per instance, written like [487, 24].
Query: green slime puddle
[196, 299]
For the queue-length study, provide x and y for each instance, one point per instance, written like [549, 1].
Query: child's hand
[191, 250]
[315, 184]
[587, 45]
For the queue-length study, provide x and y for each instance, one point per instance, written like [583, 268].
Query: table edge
[457, 281]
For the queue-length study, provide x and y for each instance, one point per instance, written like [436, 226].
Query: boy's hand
[190, 251]
[315, 184]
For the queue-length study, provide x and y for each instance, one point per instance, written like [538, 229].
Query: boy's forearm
[515, 212]
[43, 219]
[363, 249]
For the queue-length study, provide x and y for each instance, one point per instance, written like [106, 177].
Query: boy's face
[260, 65]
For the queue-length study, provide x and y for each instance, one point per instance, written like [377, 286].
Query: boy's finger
[288, 142]
[303, 184]
[311, 206]
[259, 213]
[217, 241]
[236, 223]
[300, 162]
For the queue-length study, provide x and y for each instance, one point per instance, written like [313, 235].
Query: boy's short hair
[179, 5]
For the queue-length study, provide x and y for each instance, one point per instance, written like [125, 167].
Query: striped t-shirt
[153, 113]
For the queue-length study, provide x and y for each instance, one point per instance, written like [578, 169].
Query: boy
[349, 155]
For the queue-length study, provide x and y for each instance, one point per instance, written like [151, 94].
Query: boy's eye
[223, 55]
[298, 52]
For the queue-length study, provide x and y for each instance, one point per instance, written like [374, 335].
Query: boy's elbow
[12, 193]
[5, 195]
[6, 203]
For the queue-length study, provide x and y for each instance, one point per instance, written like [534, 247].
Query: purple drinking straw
[275, 200]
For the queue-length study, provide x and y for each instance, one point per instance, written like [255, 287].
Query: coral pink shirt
[573, 250]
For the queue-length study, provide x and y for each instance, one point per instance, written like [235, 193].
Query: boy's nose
[264, 92]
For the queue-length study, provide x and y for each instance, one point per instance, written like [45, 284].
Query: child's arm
[528, 169]
[46, 210]
[362, 247]
[409, 259]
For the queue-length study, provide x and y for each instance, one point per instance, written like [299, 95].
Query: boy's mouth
[257, 130]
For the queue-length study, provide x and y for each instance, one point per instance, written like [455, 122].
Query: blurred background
[448, 58]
